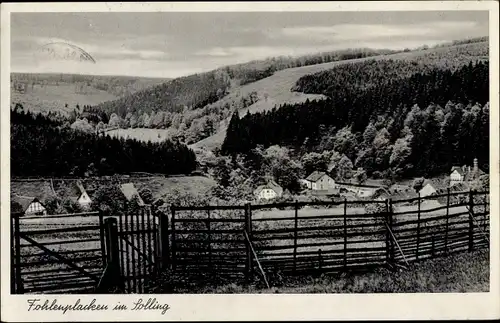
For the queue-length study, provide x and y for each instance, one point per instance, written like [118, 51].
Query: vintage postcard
[249, 161]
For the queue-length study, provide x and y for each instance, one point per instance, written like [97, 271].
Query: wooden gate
[57, 253]
[138, 246]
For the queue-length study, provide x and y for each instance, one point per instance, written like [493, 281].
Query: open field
[277, 87]
[170, 186]
[141, 134]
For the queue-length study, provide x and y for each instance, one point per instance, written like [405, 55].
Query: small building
[31, 197]
[430, 187]
[27, 205]
[130, 193]
[465, 173]
[75, 192]
[457, 175]
[268, 191]
[366, 189]
[319, 181]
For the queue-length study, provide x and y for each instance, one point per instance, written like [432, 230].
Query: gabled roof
[458, 169]
[368, 184]
[129, 191]
[434, 183]
[404, 195]
[459, 187]
[315, 176]
[42, 190]
[72, 190]
[270, 185]
[22, 203]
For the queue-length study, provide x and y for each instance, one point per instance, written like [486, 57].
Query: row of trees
[419, 125]
[42, 147]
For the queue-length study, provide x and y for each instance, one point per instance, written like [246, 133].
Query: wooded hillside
[404, 125]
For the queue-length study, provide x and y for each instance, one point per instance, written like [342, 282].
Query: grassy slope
[459, 273]
[278, 85]
[160, 186]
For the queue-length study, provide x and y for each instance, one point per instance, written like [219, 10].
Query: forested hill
[196, 91]
[406, 124]
[44, 146]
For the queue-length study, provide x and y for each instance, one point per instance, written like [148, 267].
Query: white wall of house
[36, 207]
[455, 178]
[267, 194]
[427, 190]
[84, 200]
[324, 183]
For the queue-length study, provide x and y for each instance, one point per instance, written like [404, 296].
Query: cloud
[216, 52]
[349, 32]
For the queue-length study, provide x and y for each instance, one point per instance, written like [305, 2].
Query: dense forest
[417, 124]
[44, 146]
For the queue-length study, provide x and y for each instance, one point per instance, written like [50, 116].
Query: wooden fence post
[209, 242]
[17, 238]
[173, 257]
[295, 234]
[391, 227]
[471, 222]
[418, 227]
[345, 233]
[447, 220]
[164, 241]
[433, 252]
[248, 229]
[112, 276]
[387, 235]
[320, 260]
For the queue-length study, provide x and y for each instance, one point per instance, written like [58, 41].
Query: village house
[130, 192]
[367, 189]
[30, 197]
[268, 191]
[75, 192]
[465, 173]
[27, 205]
[319, 181]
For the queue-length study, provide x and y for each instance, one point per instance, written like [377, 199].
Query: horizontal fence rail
[301, 237]
[57, 253]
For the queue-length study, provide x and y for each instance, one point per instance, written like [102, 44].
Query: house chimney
[476, 168]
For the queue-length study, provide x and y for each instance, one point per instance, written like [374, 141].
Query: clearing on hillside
[141, 134]
[276, 89]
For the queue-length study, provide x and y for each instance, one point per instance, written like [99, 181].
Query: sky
[173, 44]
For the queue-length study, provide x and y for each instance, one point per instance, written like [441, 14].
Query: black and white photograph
[249, 152]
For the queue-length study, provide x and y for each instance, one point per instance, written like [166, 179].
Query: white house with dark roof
[465, 173]
[319, 181]
[268, 191]
[75, 192]
[27, 205]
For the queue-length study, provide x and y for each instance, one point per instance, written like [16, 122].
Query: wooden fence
[57, 253]
[92, 252]
[300, 237]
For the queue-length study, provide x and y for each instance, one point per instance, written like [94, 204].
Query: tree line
[418, 125]
[41, 146]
